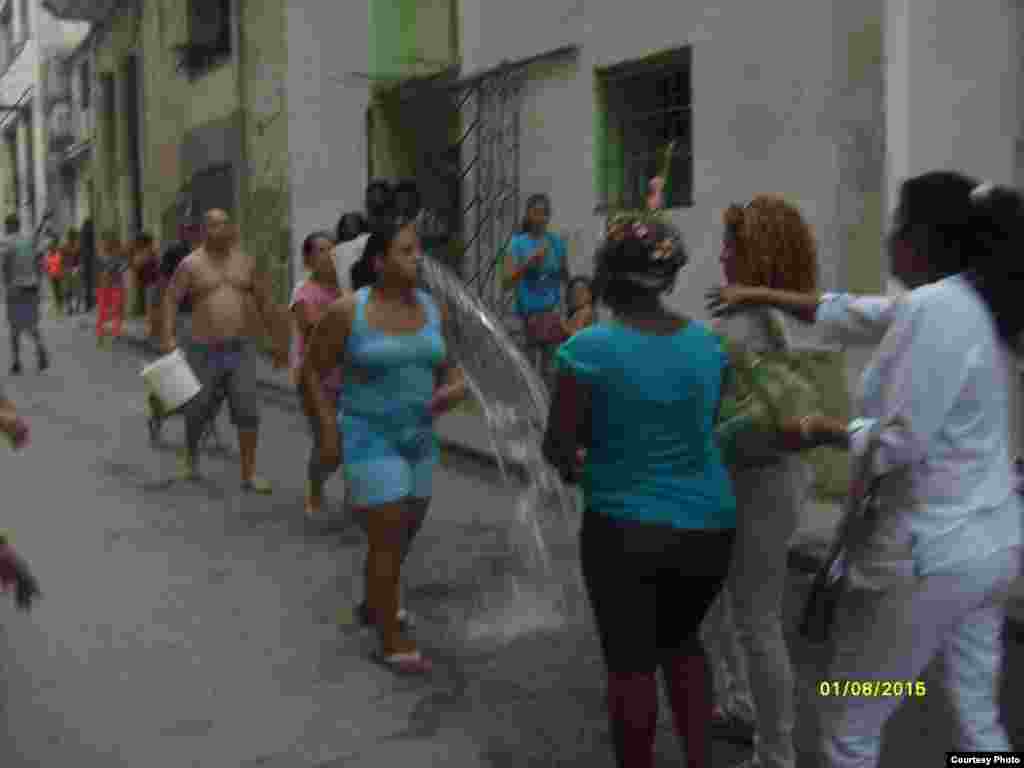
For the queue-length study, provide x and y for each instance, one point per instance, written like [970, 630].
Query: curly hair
[773, 244]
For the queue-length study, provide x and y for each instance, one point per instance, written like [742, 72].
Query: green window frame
[642, 106]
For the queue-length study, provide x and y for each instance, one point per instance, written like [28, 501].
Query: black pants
[650, 586]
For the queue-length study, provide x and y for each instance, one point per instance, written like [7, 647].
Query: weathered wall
[265, 191]
[327, 145]
[177, 115]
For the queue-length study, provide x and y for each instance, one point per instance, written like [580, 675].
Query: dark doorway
[132, 115]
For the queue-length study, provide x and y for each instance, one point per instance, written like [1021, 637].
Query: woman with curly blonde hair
[766, 243]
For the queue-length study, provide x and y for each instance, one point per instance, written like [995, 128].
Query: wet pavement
[191, 625]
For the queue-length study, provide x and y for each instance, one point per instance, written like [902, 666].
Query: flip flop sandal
[413, 663]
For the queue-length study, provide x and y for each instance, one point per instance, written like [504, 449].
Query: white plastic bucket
[171, 379]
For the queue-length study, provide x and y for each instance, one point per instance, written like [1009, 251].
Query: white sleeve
[923, 361]
[848, 319]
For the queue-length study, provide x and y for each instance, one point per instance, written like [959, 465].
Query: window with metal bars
[643, 107]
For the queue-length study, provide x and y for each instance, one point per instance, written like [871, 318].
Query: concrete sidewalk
[464, 432]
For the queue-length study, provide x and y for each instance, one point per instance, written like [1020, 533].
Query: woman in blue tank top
[389, 341]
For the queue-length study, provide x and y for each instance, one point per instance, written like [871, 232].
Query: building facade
[190, 116]
[35, 115]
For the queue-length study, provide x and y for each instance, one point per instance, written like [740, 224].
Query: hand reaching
[725, 299]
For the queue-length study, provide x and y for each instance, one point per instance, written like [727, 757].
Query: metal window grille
[648, 106]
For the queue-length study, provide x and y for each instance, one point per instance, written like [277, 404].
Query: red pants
[110, 303]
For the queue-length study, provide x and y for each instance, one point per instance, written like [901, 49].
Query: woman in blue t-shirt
[641, 396]
[535, 265]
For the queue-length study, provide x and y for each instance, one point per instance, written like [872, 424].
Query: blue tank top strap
[359, 325]
[433, 313]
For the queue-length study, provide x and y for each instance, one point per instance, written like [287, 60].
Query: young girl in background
[580, 309]
[312, 296]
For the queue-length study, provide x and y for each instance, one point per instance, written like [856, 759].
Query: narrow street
[189, 625]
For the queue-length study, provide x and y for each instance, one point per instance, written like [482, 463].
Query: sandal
[412, 663]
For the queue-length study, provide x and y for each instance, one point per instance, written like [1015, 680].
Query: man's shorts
[225, 369]
[384, 466]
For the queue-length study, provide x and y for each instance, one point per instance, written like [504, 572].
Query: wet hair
[630, 267]
[310, 241]
[534, 201]
[383, 233]
[961, 226]
[773, 245]
[12, 223]
[407, 199]
[350, 226]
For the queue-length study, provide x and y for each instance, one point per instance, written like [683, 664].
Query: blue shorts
[385, 466]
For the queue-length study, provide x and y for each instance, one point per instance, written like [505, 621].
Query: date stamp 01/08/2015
[872, 688]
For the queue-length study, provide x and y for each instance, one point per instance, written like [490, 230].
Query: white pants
[893, 635]
[744, 637]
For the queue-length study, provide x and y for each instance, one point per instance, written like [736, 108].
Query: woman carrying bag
[535, 265]
[929, 567]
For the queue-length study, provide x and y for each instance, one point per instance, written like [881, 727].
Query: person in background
[390, 340]
[353, 272]
[535, 266]
[351, 236]
[88, 240]
[14, 571]
[145, 262]
[72, 252]
[930, 574]
[311, 298]
[231, 298]
[766, 242]
[54, 261]
[111, 267]
[580, 306]
[23, 277]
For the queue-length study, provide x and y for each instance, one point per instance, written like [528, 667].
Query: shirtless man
[230, 298]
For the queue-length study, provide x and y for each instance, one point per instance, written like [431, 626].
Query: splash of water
[545, 590]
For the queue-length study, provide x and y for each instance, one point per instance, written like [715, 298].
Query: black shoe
[44, 363]
[16, 369]
[363, 616]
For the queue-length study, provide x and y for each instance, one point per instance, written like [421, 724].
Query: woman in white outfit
[766, 243]
[932, 575]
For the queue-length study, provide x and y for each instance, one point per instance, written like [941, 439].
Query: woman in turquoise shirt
[660, 514]
[535, 266]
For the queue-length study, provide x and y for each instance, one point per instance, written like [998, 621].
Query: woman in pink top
[312, 296]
